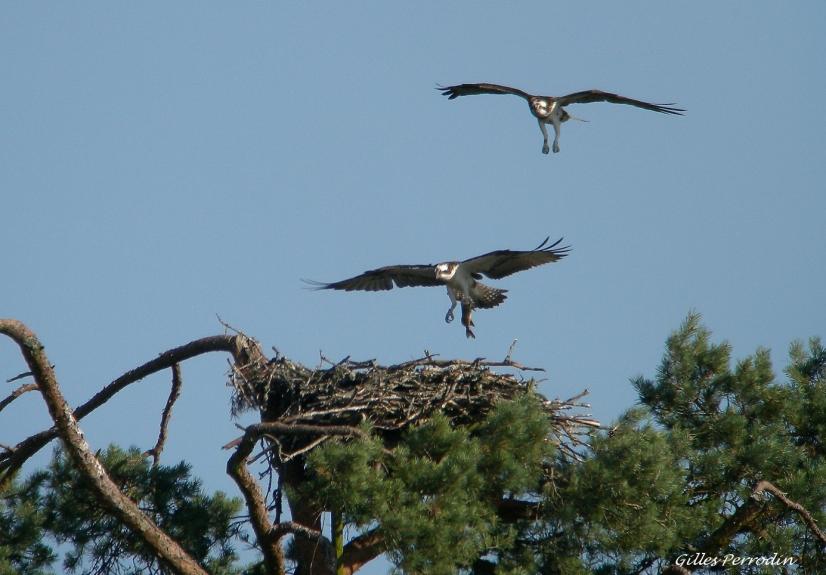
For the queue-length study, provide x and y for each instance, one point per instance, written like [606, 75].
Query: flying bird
[460, 277]
[551, 109]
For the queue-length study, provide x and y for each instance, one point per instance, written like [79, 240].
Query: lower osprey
[461, 278]
[551, 109]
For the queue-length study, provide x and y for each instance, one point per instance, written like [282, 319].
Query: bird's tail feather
[486, 297]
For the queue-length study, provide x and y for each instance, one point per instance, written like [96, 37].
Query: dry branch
[107, 492]
[243, 350]
[174, 393]
[17, 393]
[259, 518]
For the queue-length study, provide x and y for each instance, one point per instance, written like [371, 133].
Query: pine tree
[69, 513]
[720, 459]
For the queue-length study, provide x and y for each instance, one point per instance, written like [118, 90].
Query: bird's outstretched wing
[600, 96]
[472, 89]
[384, 278]
[503, 263]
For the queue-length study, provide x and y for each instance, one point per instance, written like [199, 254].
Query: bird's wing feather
[600, 96]
[503, 263]
[384, 278]
[472, 89]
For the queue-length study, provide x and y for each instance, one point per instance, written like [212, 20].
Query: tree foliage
[22, 549]
[436, 495]
[70, 513]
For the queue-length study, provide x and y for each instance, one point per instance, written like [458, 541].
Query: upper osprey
[459, 277]
[551, 109]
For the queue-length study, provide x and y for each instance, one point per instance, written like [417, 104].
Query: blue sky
[166, 163]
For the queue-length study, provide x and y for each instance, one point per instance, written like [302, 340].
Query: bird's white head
[543, 107]
[446, 271]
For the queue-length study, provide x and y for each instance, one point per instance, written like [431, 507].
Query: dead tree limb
[241, 348]
[174, 394]
[257, 507]
[17, 393]
[66, 424]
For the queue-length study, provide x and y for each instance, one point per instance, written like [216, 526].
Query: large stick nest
[391, 398]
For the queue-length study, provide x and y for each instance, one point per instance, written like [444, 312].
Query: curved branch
[237, 345]
[746, 515]
[257, 507]
[362, 549]
[124, 508]
[17, 393]
[764, 486]
[174, 394]
[292, 528]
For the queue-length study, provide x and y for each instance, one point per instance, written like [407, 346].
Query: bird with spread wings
[551, 109]
[460, 277]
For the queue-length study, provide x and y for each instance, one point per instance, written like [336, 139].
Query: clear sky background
[161, 163]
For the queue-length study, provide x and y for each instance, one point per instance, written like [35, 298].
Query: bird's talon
[449, 317]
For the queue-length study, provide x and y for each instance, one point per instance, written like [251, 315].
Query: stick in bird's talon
[449, 316]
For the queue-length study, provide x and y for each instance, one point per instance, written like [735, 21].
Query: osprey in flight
[461, 278]
[551, 109]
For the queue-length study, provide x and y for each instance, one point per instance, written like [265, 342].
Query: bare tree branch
[764, 486]
[174, 393]
[284, 528]
[747, 514]
[257, 507]
[20, 376]
[124, 508]
[238, 346]
[362, 549]
[17, 393]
